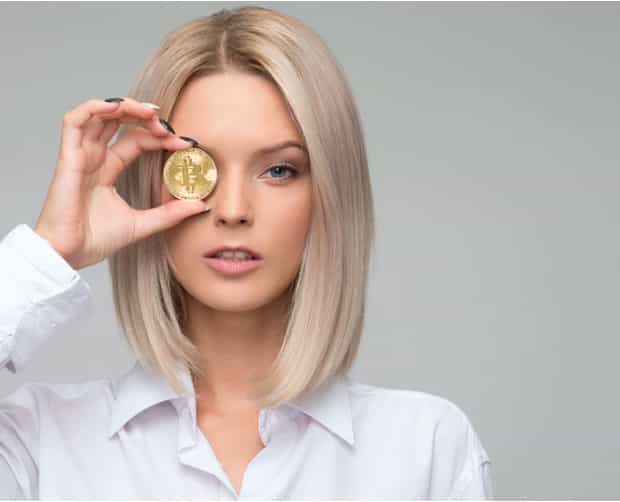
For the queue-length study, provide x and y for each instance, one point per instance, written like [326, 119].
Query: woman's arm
[39, 294]
[461, 465]
[9, 488]
[475, 484]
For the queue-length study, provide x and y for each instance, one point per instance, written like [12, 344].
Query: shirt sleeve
[476, 485]
[39, 294]
[9, 488]
[461, 465]
[19, 444]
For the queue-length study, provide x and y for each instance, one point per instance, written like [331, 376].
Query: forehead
[232, 108]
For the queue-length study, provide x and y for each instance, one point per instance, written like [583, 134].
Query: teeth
[234, 255]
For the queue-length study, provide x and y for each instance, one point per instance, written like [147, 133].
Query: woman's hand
[83, 217]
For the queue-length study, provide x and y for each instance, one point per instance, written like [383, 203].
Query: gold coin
[190, 174]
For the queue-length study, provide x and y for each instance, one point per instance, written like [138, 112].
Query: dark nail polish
[191, 140]
[114, 100]
[167, 125]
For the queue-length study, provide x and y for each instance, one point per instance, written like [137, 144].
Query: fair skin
[238, 322]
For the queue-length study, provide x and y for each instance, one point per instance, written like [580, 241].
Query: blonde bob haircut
[328, 295]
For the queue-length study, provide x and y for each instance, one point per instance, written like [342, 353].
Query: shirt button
[262, 426]
[185, 412]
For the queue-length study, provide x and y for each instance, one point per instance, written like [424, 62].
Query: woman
[241, 389]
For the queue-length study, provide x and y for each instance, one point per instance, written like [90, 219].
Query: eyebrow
[281, 146]
[273, 148]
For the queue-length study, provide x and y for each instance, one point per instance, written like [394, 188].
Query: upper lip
[212, 252]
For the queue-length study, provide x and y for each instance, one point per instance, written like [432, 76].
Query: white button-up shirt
[133, 437]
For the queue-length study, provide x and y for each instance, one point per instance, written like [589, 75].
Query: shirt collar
[141, 388]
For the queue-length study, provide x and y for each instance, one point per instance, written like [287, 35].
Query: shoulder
[418, 418]
[39, 418]
[415, 405]
[426, 432]
[34, 401]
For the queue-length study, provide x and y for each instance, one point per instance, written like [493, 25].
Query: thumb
[151, 221]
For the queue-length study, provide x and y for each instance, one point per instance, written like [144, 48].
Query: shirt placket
[277, 430]
[195, 451]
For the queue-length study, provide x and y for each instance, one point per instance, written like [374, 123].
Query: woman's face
[257, 202]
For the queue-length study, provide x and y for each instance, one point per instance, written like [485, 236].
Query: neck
[236, 349]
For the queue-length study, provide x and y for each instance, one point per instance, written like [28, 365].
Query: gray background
[492, 134]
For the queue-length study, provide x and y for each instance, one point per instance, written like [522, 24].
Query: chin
[237, 297]
[237, 305]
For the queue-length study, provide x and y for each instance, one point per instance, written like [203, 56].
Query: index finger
[75, 119]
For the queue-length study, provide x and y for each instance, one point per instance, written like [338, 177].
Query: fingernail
[207, 208]
[150, 105]
[167, 125]
[114, 100]
[191, 140]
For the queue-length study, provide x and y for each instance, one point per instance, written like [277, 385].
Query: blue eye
[279, 168]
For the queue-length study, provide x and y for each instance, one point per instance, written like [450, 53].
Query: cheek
[289, 221]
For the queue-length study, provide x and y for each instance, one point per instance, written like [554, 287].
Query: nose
[230, 202]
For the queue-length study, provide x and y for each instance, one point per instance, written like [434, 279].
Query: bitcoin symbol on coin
[190, 174]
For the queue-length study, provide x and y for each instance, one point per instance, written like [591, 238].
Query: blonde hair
[326, 315]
